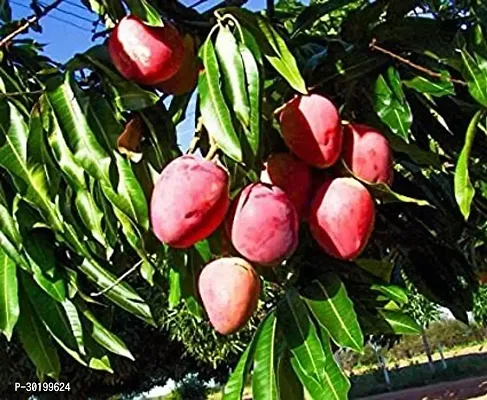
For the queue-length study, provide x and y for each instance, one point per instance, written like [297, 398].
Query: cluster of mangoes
[191, 198]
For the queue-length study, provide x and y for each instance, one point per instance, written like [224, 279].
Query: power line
[70, 13]
[54, 17]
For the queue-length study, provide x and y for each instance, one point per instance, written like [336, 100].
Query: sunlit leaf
[400, 323]
[233, 74]
[464, 190]
[264, 385]
[273, 47]
[214, 110]
[391, 105]
[9, 296]
[328, 300]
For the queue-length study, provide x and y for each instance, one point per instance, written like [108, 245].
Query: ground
[472, 388]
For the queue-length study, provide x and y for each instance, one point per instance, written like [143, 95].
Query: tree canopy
[80, 268]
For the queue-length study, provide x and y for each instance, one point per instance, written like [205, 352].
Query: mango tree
[83, 145]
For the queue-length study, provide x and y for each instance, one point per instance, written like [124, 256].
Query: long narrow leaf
[9, 296]
[233, 74]
[264, 385]
[308, 358]
[36, 342]
[214, 110]
[121, 294]
[464, 190]
[328, 301]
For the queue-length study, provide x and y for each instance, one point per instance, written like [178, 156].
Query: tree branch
[373, 46]
[270, 9]
[30, 21]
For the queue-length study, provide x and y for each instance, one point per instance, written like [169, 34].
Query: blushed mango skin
[311, 128]
[342, 217]
[184, 81]
[189, 201]
[229, 289]
[263, 224]
[145, 54]
[366, 152]
[292, 175]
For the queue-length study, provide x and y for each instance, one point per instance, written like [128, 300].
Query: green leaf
[5, 11]
[308, 358]
[121, 294]
[30, 180]
[100, 334]
[338, 383]
[87, 208]
[145, 11]
[111, 10]
[383, 192]
[9, 296]
[464, 190]
[328, 300]
[273, 47]
[254, 89]
[401, 323]
[233, 74]
[264, 384]
[87, 150]
[236, 383]
[39, 247]
[36, 341]
[75, 323]
[289, 386]
[314, 12]
[393, 292]
[387, 195]
[126, 95]
[124, 190]
[50, 312]
[214, 111]
[437, 88]
[475, 73]
[391, 105]
[10, 239]
[183, 275]
[380, 268]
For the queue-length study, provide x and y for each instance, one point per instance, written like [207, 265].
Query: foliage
[74, 209]
[420, 308]
[189, 387]
[449, 333]
[480, 306]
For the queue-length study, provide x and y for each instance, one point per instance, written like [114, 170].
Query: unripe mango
[143, 53]
[189, 201]
[311, 128]
[229, 289]
[263, 224]
[292, 175]
[342, 217]
[366, 152]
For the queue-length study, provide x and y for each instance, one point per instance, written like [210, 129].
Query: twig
[270, 9]
[211, 153]
[13, 94]
[120, 279]
[193, 144]
[373, 46]
[197, 3]
[30, 21]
